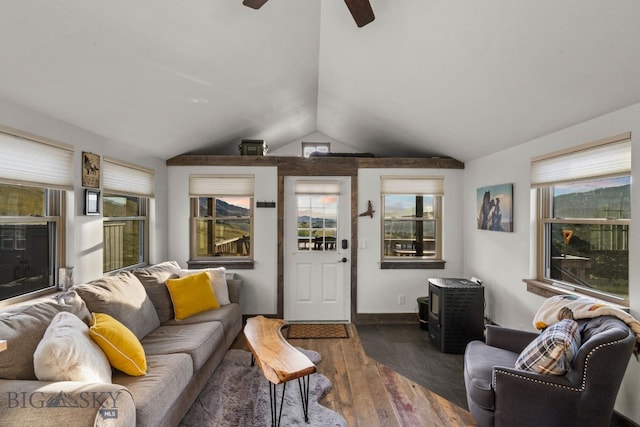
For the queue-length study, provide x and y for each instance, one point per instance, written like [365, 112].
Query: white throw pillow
[218, 282]
[67, 353]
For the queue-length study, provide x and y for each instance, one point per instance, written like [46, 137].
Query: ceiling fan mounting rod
[360, 9]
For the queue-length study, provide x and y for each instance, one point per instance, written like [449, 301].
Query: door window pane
[317, 222]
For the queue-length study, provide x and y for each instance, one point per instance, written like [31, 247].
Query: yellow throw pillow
[192, 295]
[119, 344]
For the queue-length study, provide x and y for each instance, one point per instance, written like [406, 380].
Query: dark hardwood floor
[406, 349]
[368, 393]
[391, 375]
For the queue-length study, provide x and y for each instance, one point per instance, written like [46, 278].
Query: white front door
[317, 246]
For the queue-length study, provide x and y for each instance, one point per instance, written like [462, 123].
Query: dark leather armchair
[498, 394]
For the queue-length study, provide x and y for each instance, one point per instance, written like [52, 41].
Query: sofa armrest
[508, 339]
[65, 403]
[234, 286]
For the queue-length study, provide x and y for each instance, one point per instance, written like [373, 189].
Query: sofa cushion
[119, 344]
[228, 315]
[154, 280]
[218, 282]
[123, 297]
[167, 378]
[24, 326]
[192, 294]
[479, 361]
[67, 353]
[198, 340]
[553, 351]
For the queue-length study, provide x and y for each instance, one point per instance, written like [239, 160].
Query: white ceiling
[460, 78]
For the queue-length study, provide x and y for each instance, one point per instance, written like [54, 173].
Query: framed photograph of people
[495, 207]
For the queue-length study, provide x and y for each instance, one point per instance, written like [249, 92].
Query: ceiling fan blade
[361, 11]
[254, 4]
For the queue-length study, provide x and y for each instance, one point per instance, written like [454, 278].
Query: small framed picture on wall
[90, 170]
[92, 202]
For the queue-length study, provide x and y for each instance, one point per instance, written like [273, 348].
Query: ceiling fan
[360, 9]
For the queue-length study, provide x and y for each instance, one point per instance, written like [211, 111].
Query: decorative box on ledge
[253, 147]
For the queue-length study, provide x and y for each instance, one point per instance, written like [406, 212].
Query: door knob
[343, 260]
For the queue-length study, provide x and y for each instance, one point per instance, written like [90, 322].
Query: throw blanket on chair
[573, 307]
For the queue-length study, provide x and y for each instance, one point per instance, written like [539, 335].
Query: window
[584, 209]
[34, 172]
[317, 204]
[128, 189]
[315, 147]
[29, 230]
[411, 218]
[124, 231]
[221, 217]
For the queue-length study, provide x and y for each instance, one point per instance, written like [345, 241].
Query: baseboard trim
[385, 318]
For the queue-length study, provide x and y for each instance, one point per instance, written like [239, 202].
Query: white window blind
[124, 178]
[412, 185]
[221, 185]
[600, 159]
[27, 159]
[318, 187]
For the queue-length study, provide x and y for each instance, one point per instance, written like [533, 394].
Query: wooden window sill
[548, 290]
[244, 264]
[413, 265]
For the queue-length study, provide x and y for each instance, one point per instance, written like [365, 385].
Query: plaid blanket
[561, 307]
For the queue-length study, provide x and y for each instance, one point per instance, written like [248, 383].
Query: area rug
[237, 395]
[317, 330]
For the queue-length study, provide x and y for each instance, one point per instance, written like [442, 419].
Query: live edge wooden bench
[279, 362]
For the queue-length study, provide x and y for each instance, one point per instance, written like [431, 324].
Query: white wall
[502, 260]
[378, 289]
[84, 233]
[259, 287]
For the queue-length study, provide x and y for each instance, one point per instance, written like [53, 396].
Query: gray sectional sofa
[180, 355]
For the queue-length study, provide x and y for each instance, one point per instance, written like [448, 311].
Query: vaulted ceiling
[460, 78]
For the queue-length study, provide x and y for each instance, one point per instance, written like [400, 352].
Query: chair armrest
[527, 396]
[65, 403]
[508, 339]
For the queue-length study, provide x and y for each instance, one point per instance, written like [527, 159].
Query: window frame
[436, 185]
[54, 215]
[542, 184]
[307, 146]
[143, 227]
[194, 215]
[544, 220]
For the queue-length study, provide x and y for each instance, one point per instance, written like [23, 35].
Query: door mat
[317, 330]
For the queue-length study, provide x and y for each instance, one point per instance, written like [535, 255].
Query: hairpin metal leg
[273, 401]
[303, 385]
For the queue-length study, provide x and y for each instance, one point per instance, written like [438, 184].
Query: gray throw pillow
[154, 280]
[122, 297]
